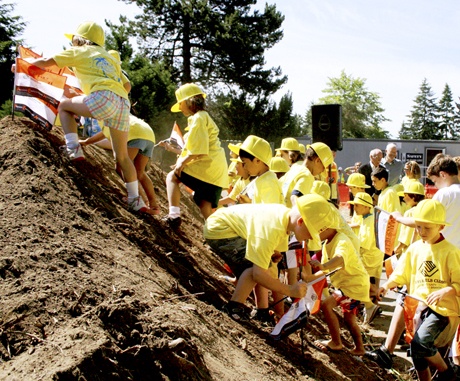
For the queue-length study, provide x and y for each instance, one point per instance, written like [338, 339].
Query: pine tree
[447, 126]
[423, 121]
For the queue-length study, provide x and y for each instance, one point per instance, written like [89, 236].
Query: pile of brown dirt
[90, 291]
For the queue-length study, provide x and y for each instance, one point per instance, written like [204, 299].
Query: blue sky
[391, 44]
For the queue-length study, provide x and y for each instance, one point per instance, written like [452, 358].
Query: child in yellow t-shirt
[371, 255]
[247, 236]
[351, 288]
[356, 183]
[430, 268]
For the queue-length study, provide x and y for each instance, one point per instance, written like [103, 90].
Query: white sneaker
[138, 205]
[370, 313]
[75, 154]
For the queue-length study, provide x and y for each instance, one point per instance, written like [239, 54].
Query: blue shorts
[145, 146]
[111, 108]
[422, 345]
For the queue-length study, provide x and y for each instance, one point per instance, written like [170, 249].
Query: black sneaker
[174, 223]
[237, 311]
[448, 375]
[382, 357]
[264, 316]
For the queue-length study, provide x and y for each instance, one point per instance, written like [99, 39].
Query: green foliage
[7, 109]
[423, 121]
[238, 118]
[11, 27]
[212, 42]
[448, 117]
[362, 113]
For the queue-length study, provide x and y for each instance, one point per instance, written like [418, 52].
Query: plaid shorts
[111, 108]
[347, 304]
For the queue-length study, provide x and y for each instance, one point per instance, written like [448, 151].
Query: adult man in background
[375, 157]
[394, 166]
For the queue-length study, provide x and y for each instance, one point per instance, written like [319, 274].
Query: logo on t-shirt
[428, 268]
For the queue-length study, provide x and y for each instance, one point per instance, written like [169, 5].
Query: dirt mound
[89, 291]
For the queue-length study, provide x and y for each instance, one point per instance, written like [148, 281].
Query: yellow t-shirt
[138, 129]
[238, 188]
[407, 235]
[202, 138]
[95, 69]
[426, 268]
[263, 226]
[371, 255]
[389, 200]
[298, 178]
[265, 189]
[352, 279]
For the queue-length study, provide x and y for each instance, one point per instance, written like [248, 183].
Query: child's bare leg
[396, 328]
[244, 286]
[261, 294]
[67, 110]
[278, 306]
[350, 321]
[120, 148]
[327, 306]
[140, 163]
[206, 209]
[173, 189]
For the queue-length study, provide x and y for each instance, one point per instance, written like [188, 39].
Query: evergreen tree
[362, 113]
[447, 116]
[11, 27]
[423, 121]
[213, 42]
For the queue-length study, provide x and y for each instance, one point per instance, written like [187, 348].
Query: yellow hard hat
[357, 180]
[289, 144]
[256, 146]
[91, 31]
[324, 153]
[362, 198]
[430, 211]
[322, 188]
[278, 164]
[317, 215]
[302, 149]
[115, 54]
[413, 187]
[185, 92]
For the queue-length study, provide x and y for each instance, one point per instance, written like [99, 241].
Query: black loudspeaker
[327, 125]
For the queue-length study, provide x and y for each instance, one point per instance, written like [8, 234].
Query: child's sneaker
[382, 357]
[264, 316]
[237, 311]
[138, 205]
[370, 313]
[75, 154]
[173, 222]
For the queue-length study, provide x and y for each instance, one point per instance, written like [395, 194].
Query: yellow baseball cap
[302, 149]
[324, 153]
[185, 92]
[289, 144]
[317, 216]
[413, 187]
[322, 188]
[256, 146]
[362, 198]
[91, 31]
[357, 180]
[278, 164]
[430, 211]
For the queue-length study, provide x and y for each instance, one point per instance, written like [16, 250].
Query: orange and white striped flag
[176, 136]
[37, 93]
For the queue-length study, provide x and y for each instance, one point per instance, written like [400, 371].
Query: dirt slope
[89, 291]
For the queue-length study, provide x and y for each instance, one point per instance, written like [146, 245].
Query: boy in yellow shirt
[388, 198]
[430, 268]
[371, 255]
[247, 236]
[256, 154]
[351, 287]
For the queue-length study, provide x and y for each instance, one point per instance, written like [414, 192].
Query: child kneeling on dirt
[351, 287]
[247, 236]
[430, 268]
